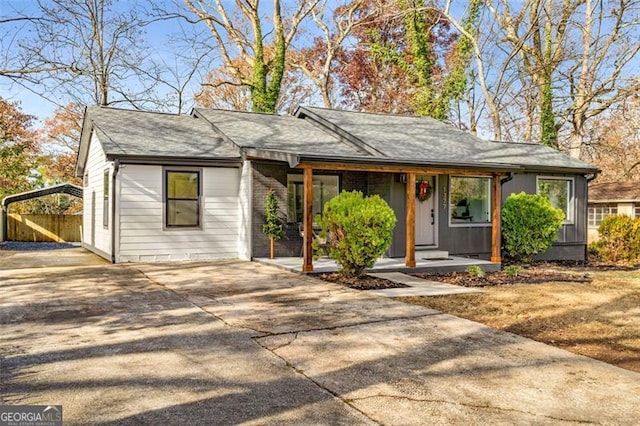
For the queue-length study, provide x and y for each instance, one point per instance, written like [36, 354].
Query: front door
[425, 210]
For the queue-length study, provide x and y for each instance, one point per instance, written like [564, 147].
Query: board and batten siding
[141, 234]
[95, 236]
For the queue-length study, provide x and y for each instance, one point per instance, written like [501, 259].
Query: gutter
[116, 169]
[592, 177]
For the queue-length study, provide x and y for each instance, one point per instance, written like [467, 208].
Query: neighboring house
[168, 187]
[611, 198]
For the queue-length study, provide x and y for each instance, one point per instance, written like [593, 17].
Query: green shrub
[357, 229]
[619, 239]
[512, 270]
[529, 225]
[272, 226]
[475, 271]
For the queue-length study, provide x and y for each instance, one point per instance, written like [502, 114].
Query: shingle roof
[317, 133]
[614, 191]
[136, 133]
[276, 132]
[425, 139]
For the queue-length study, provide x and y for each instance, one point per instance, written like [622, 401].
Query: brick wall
[274, 176]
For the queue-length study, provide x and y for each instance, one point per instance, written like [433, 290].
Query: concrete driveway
[237, 342]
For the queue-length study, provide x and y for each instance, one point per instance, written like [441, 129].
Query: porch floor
[387, 264]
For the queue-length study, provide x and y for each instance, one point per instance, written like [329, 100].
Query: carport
[62, 188]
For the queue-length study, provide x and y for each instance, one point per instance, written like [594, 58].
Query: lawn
[599, 319]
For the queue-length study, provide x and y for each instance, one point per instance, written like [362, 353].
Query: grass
[600, 319]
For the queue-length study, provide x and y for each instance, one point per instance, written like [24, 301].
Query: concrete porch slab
[386, 264]
[417, 286]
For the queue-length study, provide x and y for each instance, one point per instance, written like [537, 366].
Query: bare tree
[614, 142]
[580, 56]
[317, 61]
[240, 33]
[80, 51]
[604, 70]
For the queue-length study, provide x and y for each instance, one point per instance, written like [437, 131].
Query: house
[169, 187]
[611, 198]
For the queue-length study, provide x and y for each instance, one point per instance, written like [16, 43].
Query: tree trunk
[575, 144]
[273, 248]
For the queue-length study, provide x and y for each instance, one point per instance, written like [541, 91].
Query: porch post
[410, 253]
[307, 221]
[495, 219]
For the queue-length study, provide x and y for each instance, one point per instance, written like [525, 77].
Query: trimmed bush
[530, 225]
[358, 230]
[272, 226]
[619, 239]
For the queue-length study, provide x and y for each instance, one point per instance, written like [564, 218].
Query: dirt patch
[364, 282]
[526, 276]
[597, 318]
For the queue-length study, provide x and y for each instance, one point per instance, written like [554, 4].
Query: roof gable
[127, 133]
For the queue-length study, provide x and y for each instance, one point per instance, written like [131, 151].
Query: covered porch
[412, 259]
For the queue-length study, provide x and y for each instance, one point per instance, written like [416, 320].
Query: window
[559, 192]
[600, 211]
[325, 187]
[470, 200]
[636, 211]
[105, 200]
[182, 199]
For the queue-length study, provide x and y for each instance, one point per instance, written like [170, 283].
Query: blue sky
[157, 36]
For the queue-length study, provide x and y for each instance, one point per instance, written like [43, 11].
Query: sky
[157, 35]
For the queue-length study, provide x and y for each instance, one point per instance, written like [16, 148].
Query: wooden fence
[41, 228]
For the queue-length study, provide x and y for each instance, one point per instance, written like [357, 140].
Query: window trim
[336, 175]
[165, 199]
[487, 224]
[572, 199]
[594, 206]
[105, 199]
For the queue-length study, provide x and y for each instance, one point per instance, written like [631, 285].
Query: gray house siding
[471, 241]
[572, 237]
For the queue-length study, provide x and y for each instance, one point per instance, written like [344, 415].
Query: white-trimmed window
[182, 198]
[559, 191]
[325, 187]
[469, 200]
[636, 211]
[598, 212]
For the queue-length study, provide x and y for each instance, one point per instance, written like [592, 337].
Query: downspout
[116, 168]
[586, 217]
[4, 211]
[506, 179]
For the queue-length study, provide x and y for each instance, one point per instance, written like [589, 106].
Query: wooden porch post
[307, 221]
[495, 220]
[410, 254]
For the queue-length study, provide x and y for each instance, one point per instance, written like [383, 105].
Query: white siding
[244, 206]
[95, 235]
[142, 236]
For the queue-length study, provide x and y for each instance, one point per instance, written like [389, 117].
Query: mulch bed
[364, 282]
[539, 272]
[526, 276]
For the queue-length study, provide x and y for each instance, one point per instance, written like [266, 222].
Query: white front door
[425, 211]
